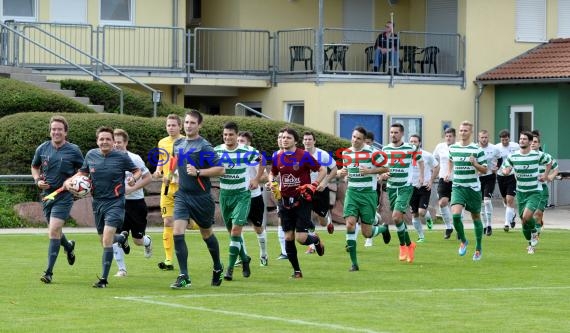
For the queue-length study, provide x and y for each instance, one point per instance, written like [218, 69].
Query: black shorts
[297, 216]
[507, 185]
[198, 207]
[256, 210]
[420, 199]
[135, 218]
[321, 202]
[488, 185]
[444, 189]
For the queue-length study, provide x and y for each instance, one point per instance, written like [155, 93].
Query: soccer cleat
[182, 281]
[70, 253]
[477, 255]
[282, 257]
[217, 277]
[513, 223]
[229, 274]
[403, 256]
[238, 262]
[354, 268]
[125, 243]
[246, 271]
[319, 246]
[148, 249]
[297, 275]
[411, 252]
[369, 242]
[506, 228]
[121, 273]
[448, 233]
[330, 228]
[102, 283]
[489, 231]
[534, 239]
[463, 248]
[46, 278]
[310, 250]
[166, 265]
[386, 237]
[420, 240]
[263, 261]
[429, 223]
[530, 249]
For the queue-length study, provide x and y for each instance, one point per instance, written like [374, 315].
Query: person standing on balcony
[488, 179]
[386, 49]
[466, 162]
[170, 181]
[507, 184]
[55, 161]
[441, 154]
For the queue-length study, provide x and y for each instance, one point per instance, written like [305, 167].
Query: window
[119, 12]
[531, 21]
[68, 11]
[373, 121]
[564, 18]
[521, 120]
[295, 113]
[412, 125]
[19, 10]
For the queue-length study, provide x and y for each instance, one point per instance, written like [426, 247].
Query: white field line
[253, 316]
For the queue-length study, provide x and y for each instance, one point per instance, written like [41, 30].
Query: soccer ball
[82, 185]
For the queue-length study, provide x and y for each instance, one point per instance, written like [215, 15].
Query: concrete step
[45, 85]
[97, 108]
[28, 77]
[13, 69]
[65, 92]
[82, 100]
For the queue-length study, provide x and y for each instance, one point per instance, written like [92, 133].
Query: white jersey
[492, 154]
[505, 152]
[252, 171]
[324, 159]
[138, 162]
[441, 155]
[429, 164]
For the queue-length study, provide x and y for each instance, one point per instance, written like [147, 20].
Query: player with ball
[107, 167]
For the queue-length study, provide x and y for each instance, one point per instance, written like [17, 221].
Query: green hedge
[17, 96]
[136, 103]
[20, 134]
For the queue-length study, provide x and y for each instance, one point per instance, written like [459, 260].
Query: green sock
[478, 234]
[532, 224]
[351, 246]
[378, 229]
[242, 253]
[526, 230]
[235, 246]
[459, 227]
[401, 230]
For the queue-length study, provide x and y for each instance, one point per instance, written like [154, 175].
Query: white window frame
[289, 110]
[33, 18]
[563, 19]
[340, 113]
[81, 18]
[405, 120]
[530, 21]
[131, 20]
[514, 109]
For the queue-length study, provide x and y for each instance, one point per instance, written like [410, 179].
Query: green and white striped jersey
[464, 173]
[236, 163]
[542, 168]
[400, 161]
[367, 157]
[526, 168]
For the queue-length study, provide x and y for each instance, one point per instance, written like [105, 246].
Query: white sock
[509, 215]
[418, 225]
[281, 236]
[357, 228]
[488, 211]
[119, 256]
[428, 215]
[262, 240]
[243, 244]
[446, 216]
[146, 240]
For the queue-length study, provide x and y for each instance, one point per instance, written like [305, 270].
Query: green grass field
[507, 291]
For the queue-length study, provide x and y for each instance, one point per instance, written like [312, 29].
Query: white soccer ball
[82, 185]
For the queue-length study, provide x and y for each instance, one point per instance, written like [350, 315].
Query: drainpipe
[480, 88]
[175, 34]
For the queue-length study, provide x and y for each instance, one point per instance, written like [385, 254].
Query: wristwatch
[197, 172]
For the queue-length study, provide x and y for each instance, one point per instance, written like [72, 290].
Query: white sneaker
[534, 239]
[369, 242]
[121, 273]
[530, 249]
[148, 249]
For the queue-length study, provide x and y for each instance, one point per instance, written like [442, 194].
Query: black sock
[107, 260]
[181, 250]
[214, 248]
[53, 251]
[64, 242]
[311, 239]
[292, 254]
